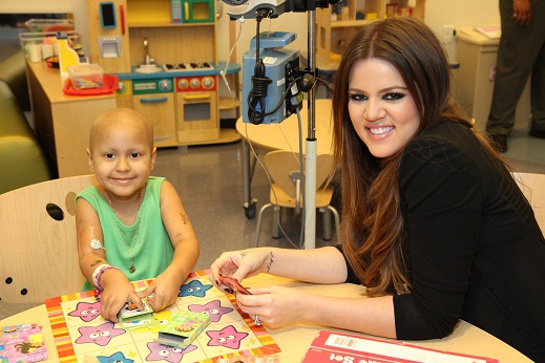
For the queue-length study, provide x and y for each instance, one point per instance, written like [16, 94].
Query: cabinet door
[159, 109]
[196, 116]
[123, 95]
[108, 35]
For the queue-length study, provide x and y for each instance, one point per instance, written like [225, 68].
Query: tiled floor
[209, 180]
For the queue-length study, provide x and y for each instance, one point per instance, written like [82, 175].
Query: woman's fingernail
[228, 290]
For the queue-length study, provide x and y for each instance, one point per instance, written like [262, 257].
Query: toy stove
[180, 67]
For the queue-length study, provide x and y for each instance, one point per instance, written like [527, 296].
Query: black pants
[521, 53]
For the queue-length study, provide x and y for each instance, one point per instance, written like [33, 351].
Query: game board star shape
[194, 288]
[227, 337]
[86, 311]
[100, 335]
[160, 352]
[212, 308]
[117, 357]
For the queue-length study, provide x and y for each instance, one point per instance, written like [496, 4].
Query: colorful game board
[80, 332]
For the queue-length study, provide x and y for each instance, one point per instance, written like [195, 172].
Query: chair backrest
[39, 250]
[533, 187]
[281, 163]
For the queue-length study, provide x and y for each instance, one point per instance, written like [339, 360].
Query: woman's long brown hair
[372, 229]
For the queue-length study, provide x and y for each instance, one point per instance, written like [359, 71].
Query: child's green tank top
[147, 240]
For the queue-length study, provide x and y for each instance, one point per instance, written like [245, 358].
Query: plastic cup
[35, 53]
[47, 51]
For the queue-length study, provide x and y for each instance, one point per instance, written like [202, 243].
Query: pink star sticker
[227, 337]
[86, 311]
[212, 308]
[100, 335]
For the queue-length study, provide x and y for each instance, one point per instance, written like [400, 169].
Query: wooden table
[282, 136]
[294, 340]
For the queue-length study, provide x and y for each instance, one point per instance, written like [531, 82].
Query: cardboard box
[331, 346]
[183, 328]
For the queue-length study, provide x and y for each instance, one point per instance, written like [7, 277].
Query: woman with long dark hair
[434, 226]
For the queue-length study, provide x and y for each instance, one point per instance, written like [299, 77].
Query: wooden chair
[39, 254]
[533, 187]
[284, 169]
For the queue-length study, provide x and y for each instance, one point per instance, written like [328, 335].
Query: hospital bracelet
[97, 274]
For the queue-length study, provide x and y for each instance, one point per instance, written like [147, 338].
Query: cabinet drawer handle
[200, 96]
[153, 99]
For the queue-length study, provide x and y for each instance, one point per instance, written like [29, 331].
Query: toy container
[46, 42]
[49, 25]
[83, 76]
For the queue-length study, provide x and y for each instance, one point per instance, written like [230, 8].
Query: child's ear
[153, 157]
[90, 161]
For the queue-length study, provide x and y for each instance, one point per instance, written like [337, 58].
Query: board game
[80, 332]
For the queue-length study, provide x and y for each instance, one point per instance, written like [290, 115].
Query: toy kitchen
[164, 53]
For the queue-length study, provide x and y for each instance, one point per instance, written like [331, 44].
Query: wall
[459, 13]
[438, 13]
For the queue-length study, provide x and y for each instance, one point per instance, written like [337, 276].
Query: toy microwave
[192, 11]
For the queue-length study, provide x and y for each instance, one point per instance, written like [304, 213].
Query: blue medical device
[281, 66]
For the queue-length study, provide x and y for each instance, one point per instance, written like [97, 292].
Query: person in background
[521, 52]
[434, 225]
[132, 226]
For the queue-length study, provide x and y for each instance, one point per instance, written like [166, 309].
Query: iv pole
[311, 144]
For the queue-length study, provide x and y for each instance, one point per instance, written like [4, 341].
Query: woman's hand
[117, 291]
[162, 292]
[275, 306]
[241, 264]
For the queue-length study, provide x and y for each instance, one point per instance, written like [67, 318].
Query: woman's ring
[256, 320]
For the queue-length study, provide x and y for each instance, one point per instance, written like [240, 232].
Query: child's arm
[117, 289]
[186, 250]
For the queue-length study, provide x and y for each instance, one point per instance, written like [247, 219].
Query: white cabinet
[474, 81]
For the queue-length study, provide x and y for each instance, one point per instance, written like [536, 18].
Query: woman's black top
[473, 247]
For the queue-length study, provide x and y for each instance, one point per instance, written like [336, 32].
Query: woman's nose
[373, 111]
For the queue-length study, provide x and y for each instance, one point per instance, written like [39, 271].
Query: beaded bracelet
[97, 274]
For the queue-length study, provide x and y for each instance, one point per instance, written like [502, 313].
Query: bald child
[132, 226]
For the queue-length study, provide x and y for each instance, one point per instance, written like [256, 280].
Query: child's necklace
[137, 234]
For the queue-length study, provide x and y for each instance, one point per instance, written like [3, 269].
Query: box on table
[49, 25]
[83, 76]
[330, 346]
[183, 328]
[22, 343]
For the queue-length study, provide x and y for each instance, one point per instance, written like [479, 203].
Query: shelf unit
[332, 36]
[168, 42]
[193, 40]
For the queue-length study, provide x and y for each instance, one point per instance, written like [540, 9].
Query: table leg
[249, 204]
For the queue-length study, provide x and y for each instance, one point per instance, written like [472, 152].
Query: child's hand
[117, 291]
[162, 292]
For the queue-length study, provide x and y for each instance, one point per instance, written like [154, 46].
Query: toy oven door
[197, 115]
